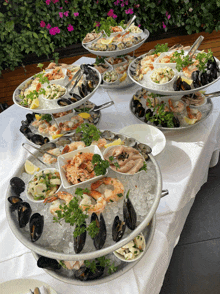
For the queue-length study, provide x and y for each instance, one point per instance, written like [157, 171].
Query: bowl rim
[164, 84]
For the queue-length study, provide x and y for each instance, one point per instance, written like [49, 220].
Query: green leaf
[35, 35]
[9, 25]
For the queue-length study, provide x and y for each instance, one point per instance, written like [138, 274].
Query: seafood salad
[124, 159]
[44, 184]
[110, 76]
[162, 75]
[54, 92]
[133, 249]
[55, 74]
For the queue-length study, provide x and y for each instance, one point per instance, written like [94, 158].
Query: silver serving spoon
[195, 46]
[42, 151]
[130, 22]
[212, 95]
[102, 106]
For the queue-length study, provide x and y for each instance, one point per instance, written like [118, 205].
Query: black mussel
[214, 73]
[184, 86]
[17, 185]
[177, 84]
[30, 117]
[36, 226]
[37, 139]
[80, 240]
[14, 200]
[90, 86]
[102, 82]
[24, 213]
[48, 263]
[176, 122]
[74, 98]
[25, 129]
[118, 229]
[82, 91]
[63, 102]
[212, 64]
[141, 111]
[156, 122]
[48, 146]
[139, 105]
[46, 140]
[25, 123]
[135, 102]
[85, 273]
[99, 239]
[204, 78]
[130, 216]
[196, 78]
[29, 135]
[209, 76]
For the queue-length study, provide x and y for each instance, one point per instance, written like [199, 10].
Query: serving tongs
[77, 76]
[42, 151]
[130, 22]
[195, 46]
[212, 95]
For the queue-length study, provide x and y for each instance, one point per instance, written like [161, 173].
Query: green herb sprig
[101, 261]
[100, 165]
[159, 48]
[90, 133]
[106, 24]
[203, 58]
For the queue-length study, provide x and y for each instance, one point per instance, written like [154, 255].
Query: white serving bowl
[29, 196]
[62, 160]
[164, 86]
[125, 174]
[62, 81]
[110, 83]
[122, 258]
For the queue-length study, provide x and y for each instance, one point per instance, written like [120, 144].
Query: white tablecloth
[184, 165]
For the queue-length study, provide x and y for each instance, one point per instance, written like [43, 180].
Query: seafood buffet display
[108, 202]
[79, 82]
[190, 110]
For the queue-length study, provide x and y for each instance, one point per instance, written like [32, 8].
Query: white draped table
[184, 164]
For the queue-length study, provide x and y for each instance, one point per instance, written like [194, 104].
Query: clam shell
[144, 148]
[131, 142]
[63, 141]
[108, 135]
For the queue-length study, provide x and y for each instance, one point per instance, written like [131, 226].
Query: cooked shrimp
[57, 200]
[73, 146]
[86, 202]
[100, 143]
[49, 159]
[54, 130]
[188, 70]
[73, 264]
[44, 128]
[176, 106]
[193, 113]
[109, 194]
[36, 123]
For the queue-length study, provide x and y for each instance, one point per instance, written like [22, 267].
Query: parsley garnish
[106, 24]
[144, 167]
[46, 117]
[101, 261]
[90, 133]
[100, 165]
[79, 191]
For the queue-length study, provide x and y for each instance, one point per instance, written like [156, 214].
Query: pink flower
[116, 2]
[76, 13]
[137, 5]
[61, 14]
[111, 13]
[42, 24]
[168, 15]
[54, 31]
[122, 5]
[48, 2]
[66, 13]
[97, 24]
[139, 25]
[66, 1]
[48, 26]
[61, 7]
[164, 26]
[55, 1]
[126, 2]
[129, 11]
[70, 28]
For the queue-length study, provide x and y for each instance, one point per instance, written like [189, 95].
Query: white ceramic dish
[147, 134]
[62, 160]
[29, 196]
[46, 99]
[122, 258]
[164, 86]
[62, 81]
[126, 174]
[19, 286]
[110, 83]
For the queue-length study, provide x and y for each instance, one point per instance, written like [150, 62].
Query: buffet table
[184, 165]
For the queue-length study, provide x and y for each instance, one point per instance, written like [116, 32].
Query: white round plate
[23, 286]
[146, 134]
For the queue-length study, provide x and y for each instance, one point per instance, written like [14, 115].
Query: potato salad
[54, 92]
[162, 75]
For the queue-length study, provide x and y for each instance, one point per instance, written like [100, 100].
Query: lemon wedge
[37, 116]
[84, 115]
[123, 77]
[114, 143]
[188, 81]
[107, 41]
[34, 104]
[56, 136]
[190, 121]
[30, 168]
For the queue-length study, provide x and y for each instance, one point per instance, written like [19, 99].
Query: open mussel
[38, 139]
[24, 129]
[17, 185]
[63, 102]
[30, 117]
[85, 273]
[36, 226]
[24, 213]
[180, 85]
[14, 200]
[99, 239]
[48, 263]
[118, 229]
[83, 90]
[75, 98]
[80, 240]
[62, 141]
[130, 216]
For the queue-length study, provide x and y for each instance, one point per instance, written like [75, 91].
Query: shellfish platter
[189, 74]
[170, 114]
[121, 43]
[51, 92]
[44, 128]
[51, 236]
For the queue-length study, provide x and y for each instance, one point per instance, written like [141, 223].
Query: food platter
[144, 35]
[51, 106]
[146, 83]
[67, 276]
[53, 248]
[205, 109]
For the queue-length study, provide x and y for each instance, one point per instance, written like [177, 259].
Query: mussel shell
[17, 185]
[214, 73]
[204, 78]
[30, 117]
[77, 136]
[46, 140]
[82, 91]
[108, 135]
[24, 129]
[36, 226]
[177, 84]
[85, 274]
[25, 123]
[48, 146]
[37, 139]
[195, 75]
[63, 102]
[75, 98]
[176, 122]
[80, 240]
[99, 239]
[24, 213]
[129, 213]
[141, 111]
[14, 200]
[62, 141]
[118, 229]
[184, 86]
[48, 263]
[90, 85]
[209, 76]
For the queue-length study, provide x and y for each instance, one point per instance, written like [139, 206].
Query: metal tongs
[212, 95]
[77, 76]
[130, 22]
[195, 46]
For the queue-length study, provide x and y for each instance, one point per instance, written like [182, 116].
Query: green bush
[24, 24]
